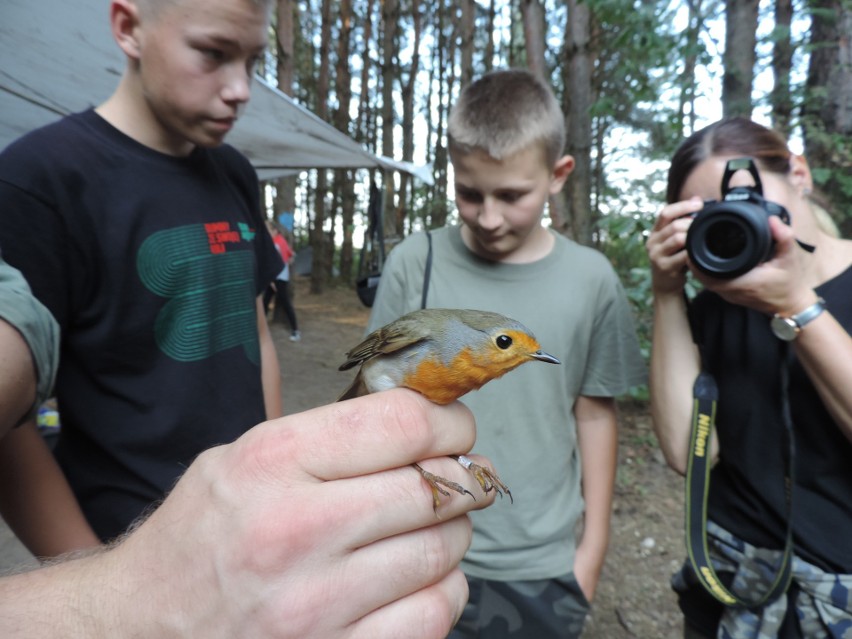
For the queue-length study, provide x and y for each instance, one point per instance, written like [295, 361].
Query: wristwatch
[788, 328]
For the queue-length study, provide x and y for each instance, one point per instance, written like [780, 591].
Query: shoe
[295, 336]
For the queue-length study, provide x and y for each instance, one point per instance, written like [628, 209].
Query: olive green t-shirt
[574, 304]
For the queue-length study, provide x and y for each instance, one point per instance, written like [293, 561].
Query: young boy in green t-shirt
[550, 431]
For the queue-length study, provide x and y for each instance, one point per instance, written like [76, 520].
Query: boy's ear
[124, 20]
[561, 170]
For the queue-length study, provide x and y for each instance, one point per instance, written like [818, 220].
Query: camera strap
[810, 248]
[705, 397]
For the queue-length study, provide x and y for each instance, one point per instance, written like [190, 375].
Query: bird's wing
[387, 339]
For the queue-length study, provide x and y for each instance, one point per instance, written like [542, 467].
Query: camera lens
[725, 239]
[730, 237]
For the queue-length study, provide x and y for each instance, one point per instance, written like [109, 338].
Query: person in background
[280, 287]
[551, 431]
[29, 356]
[790, 314]
[30, 349]
[141, 232]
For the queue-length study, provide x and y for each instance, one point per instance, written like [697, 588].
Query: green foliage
[831, 158]
[625, 248]
[635, 58]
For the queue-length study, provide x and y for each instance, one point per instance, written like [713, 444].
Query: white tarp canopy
[58, 57]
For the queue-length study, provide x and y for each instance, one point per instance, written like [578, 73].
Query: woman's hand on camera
[778, 285]
[665, 246]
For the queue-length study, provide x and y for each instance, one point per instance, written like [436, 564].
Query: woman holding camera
[776, 341]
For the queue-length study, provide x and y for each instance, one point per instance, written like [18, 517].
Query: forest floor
[634, 599]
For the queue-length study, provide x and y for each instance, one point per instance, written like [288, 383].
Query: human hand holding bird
[443, 354]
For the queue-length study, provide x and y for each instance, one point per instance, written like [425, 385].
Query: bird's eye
[504, 342]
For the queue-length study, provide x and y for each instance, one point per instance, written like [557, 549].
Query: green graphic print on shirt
[207, 273]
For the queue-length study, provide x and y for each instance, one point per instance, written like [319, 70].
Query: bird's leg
[486, 477]
[435, 482]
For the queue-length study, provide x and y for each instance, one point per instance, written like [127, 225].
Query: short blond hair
[505, 112]
[153, 8]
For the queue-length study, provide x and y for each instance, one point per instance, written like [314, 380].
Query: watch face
[784, 328]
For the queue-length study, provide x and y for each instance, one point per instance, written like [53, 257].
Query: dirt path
[633, 598]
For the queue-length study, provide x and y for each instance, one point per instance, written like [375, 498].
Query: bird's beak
[544, 357]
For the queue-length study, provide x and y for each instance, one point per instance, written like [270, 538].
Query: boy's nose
[489, 214]
[237, 85]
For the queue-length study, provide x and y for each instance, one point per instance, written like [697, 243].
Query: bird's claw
[486, 477]
[436, 481]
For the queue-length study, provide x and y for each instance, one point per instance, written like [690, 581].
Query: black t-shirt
[151, 264]
[747, 484]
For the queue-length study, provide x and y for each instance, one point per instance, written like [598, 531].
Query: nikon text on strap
[705, 396]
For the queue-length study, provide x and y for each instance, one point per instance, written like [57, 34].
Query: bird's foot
[486, 477]
[435, 482]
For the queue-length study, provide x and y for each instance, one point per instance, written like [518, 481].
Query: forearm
[598, 443]
[825, 350]
[78, 595]
[269, 368]
[35, 498]
[67, 599]
[17, 378]
[597, 435]
[674, 365]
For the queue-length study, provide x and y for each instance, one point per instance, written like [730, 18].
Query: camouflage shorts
[544, 609]
[818, 604]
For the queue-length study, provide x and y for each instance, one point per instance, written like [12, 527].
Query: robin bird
[443, 354]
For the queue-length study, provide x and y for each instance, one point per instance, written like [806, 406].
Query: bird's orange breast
[443, 384]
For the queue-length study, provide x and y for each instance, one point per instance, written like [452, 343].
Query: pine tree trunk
[782, 63]
[686, 110]
[286, 19]
[390, 23]
[579, 127]
[468, 12]
[489, 45]
[408, 89]
[534, 26]
[321, 264]
[344, 179]
[738, 59]
[365, 111]
[827, 111]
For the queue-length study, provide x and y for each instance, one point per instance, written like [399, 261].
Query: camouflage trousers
[823, 601]
[535, 609]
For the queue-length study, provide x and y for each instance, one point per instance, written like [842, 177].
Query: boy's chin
[495, 251]
[483, 247]
[209, 141]
[208, 137]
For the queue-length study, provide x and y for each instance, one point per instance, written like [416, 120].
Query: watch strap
[809, 314]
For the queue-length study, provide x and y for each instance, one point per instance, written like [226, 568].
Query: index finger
[677, 210]
[364, 435]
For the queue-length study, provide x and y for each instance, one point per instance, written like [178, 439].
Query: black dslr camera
[730, 237]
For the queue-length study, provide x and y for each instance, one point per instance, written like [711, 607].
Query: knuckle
[436, 615]
[440, 549]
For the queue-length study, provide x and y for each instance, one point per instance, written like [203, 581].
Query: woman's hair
[740, 137]
[505, 112]
[732, 136]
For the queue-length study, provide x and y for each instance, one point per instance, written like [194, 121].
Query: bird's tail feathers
[356, 389]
